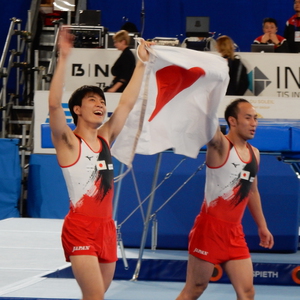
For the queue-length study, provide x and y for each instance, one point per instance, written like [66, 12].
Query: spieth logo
[79, 248]
[258, 81]
[266, 274]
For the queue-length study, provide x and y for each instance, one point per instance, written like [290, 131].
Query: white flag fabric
[177, 105]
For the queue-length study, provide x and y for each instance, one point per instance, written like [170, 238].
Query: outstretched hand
[143, 50]
[65, 41]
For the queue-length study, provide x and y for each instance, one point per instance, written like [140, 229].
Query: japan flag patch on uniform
[245, 175]
[101, 165]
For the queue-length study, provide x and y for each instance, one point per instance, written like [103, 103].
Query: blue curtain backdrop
[239, 19]
[11, 9]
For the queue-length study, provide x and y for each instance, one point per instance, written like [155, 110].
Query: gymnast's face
[92, 109]
[246, 122]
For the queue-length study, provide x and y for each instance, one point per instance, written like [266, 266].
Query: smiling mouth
[98, 113]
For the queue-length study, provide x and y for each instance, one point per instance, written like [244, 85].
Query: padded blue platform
[10, 178]
[271, 135]
[170, 265]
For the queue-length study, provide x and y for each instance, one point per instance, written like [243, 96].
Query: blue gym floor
[30, 250]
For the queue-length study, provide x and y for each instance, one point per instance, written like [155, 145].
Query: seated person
[292, 29]
[239, 82]
[123, 68]
[270, 37]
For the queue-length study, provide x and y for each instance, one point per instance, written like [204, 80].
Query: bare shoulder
[217, 150]
[67, 147]
[65, 137]
[217, 142]
[256, 152]
[104, 131]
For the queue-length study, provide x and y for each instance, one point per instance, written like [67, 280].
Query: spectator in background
[239, 81]
[292, 29]
[123, 68]
[270, 36]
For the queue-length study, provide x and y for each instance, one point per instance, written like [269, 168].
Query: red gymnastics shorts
[217, 241]
[84, 235]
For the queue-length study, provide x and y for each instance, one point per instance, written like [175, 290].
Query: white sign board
[274, 85]
[270, 74]
[91, 67]
[273, 74]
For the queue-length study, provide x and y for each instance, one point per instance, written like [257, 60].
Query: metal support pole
[7, 42]
[117, 192]
[29, 97]
[23, 150]
[29, 144]
[18, 62]
[43, 76]
[52, 63]
[3, 96]
[148, 216]
[36, 68]
[69, 18]
[81, 5]
[295, 165]
[10, 63]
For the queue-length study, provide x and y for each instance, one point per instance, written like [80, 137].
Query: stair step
[20, 122]
[25, 107]
[17, 136]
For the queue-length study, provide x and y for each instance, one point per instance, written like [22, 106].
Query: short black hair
[78, 95]
[269, 20]
[232, 109]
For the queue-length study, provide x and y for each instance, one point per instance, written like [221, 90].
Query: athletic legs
[93, 278]
[199, 273]
[240, 273]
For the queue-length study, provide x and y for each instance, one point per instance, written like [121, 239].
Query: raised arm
[114, 125]
[58, 122]
[217, 149]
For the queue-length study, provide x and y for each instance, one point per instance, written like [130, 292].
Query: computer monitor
[199, 45]
[90, 17]
[197, 26]
[262, 48]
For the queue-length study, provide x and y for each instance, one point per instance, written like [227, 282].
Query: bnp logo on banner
[258, 81]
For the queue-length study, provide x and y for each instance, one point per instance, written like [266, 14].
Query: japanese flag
[101, 165]
[245, 175]
[177, 105]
